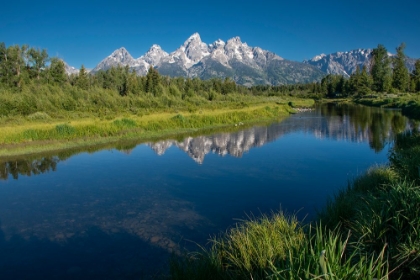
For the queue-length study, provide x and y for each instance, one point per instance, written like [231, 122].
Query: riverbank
[40, 133]
[369, 230]
[408, 103]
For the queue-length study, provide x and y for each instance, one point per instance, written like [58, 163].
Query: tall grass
[382, 208]
[66, 100]
[279, 247]
[138, 125]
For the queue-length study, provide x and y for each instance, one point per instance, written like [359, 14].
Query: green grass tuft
[64, 130]
[125, 123]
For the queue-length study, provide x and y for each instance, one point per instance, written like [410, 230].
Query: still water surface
[119, 213]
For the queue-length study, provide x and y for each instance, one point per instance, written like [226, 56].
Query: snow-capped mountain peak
[193, 38]
[154, 47]
[194, 58]
[153, 55]
[234, 40]
[119, 57]
[216, 44]
[319, 57]
[195, 50]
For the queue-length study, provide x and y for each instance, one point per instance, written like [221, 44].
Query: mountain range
[235, 59]
[246, 65]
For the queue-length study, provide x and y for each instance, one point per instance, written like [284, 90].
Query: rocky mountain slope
[246, 65]
[345, 63]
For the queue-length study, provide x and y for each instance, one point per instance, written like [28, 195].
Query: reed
[279, 247]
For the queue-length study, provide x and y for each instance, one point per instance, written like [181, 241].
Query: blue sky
[85, 32]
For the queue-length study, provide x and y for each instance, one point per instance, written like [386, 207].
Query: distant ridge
[345, 63]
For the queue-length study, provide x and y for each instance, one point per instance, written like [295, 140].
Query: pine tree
[354, 81]
[57, 72]
[228, 86]
[365, 82]
[152, 80]
[381, 70]
[3, 63]
[415, 76]
[400, 77]
[82, 80]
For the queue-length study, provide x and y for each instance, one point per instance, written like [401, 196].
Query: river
[119, 213]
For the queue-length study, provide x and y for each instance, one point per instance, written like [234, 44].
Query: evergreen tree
[400, 77]
[152, 80]
[354, 81]
[341, 85]
[228, 86]
[415, 76]
[132, 83]
[329, 84]
[57, 72]
[381, 70]
[217, 85]
[365, 82]
[82, 80]
[3, 63]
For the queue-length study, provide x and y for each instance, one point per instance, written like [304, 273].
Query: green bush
[64, 130]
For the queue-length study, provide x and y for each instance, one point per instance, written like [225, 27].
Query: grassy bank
[369, 230]
[40, 132]
[408, 103]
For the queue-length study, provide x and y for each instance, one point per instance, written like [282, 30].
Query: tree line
[383, 74]
[23, 66]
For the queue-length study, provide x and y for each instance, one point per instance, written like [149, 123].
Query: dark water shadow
[93, 254]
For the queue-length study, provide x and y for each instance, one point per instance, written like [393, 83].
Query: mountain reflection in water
[335, 122]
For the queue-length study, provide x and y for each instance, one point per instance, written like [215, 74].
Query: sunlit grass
[279, 247]
[26, 135]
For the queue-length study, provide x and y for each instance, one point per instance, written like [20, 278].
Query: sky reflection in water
[119, 213]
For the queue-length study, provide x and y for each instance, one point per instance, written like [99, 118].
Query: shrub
[125, 123]
[39, 116]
